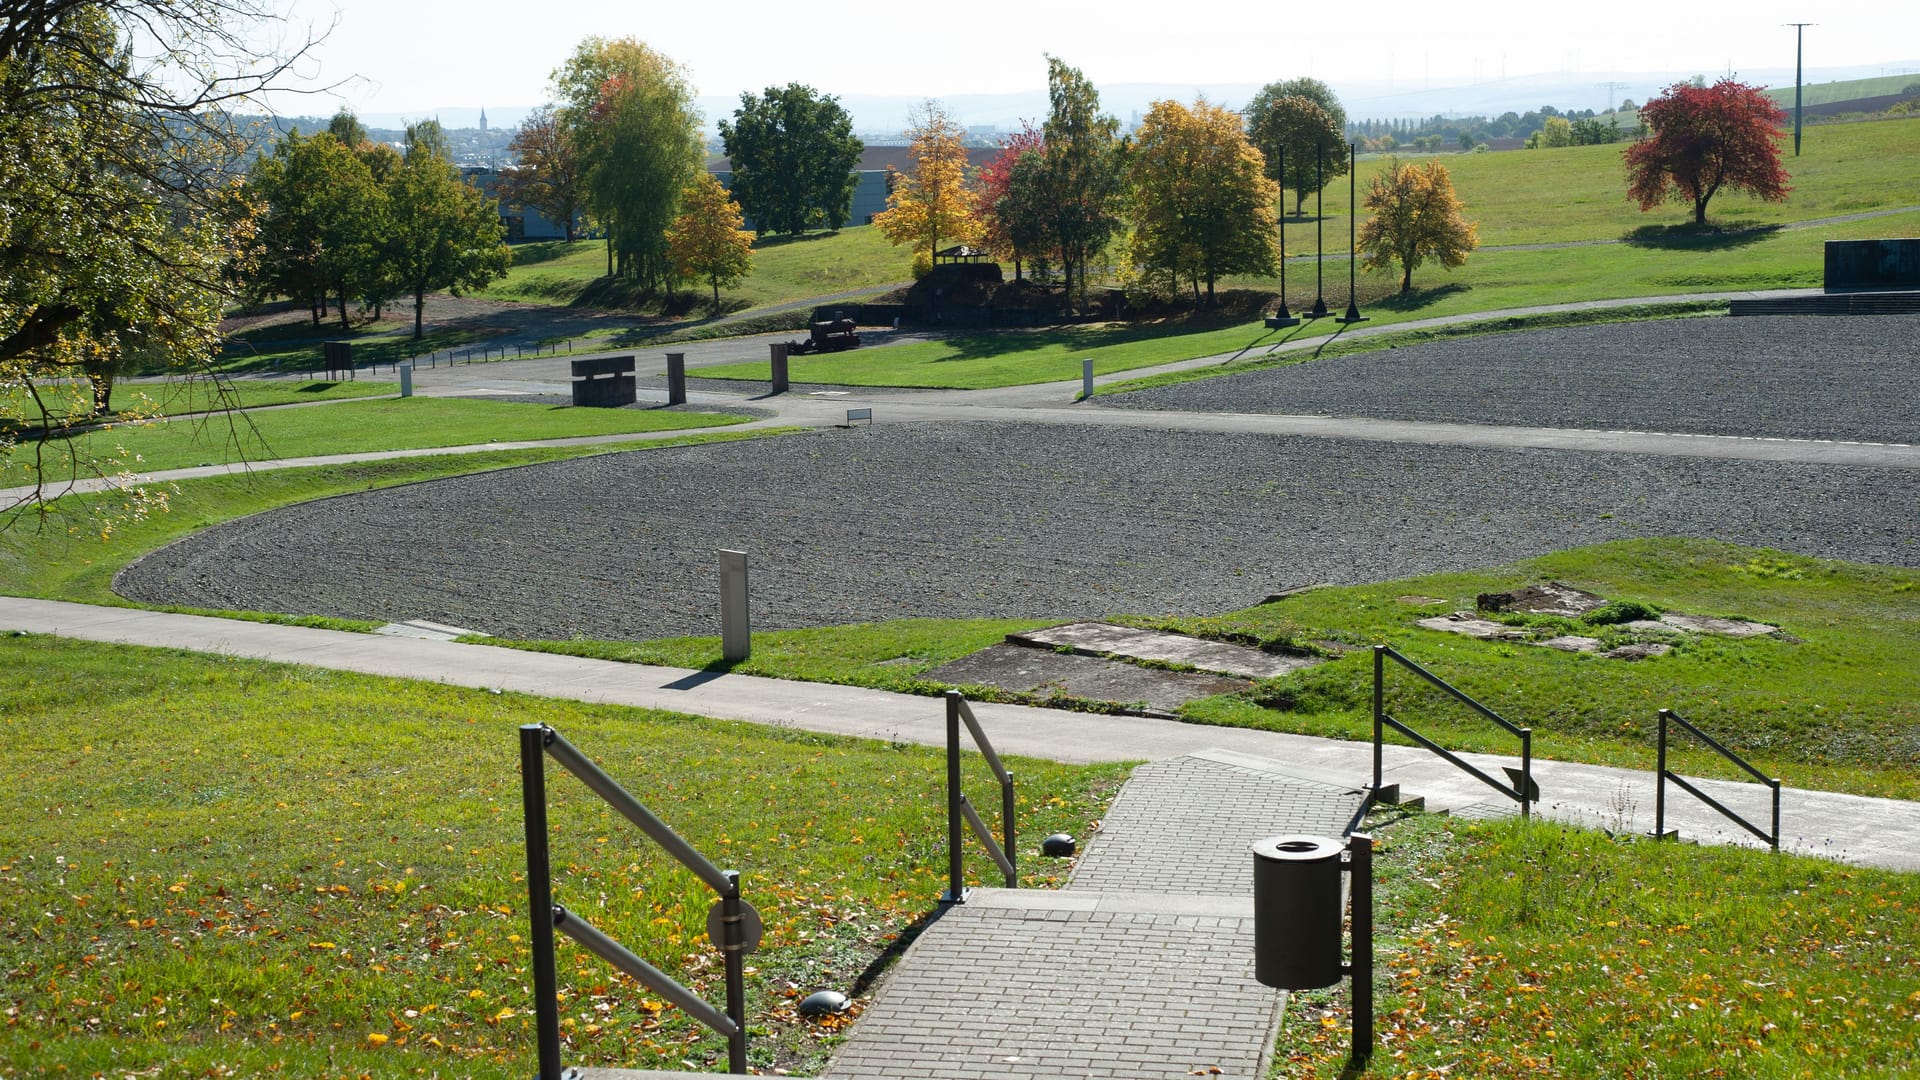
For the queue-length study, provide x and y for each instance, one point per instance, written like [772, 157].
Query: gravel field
[978, 519]
[1803, 377]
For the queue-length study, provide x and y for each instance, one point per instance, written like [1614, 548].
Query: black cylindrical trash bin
[1296, 911]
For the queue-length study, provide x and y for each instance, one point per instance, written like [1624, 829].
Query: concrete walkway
[1851, 828]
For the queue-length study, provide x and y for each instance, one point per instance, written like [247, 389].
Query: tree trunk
[609, 254]
[1406, 280]
[1700, 211]
[313, 308]
[716, 295]
[419, 310]
[344, 325]
[102, 391]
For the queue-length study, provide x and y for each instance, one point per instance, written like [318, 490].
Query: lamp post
[1282, 318]
[1799, 40]
[1353, 216]
[1319, 231]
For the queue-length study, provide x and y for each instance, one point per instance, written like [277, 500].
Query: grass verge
[1518, 950]
[1828, 704]
[344, 428]
[243, 868]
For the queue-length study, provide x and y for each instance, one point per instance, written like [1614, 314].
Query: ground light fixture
[823, 1003]
[1282, 318]
[1353, 247]
[1061, 845]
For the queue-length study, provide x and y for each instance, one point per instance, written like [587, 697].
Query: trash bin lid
[1298, 847]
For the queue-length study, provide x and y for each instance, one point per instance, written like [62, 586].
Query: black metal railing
[1522, 790]
[958, 806]
[1665, 774]
[732, 924]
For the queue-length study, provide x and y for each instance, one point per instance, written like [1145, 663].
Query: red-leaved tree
[1013, 227]
[1703, 139]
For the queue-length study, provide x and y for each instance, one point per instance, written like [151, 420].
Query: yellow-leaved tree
[1416, 216]
[706, 241]
[1202, 203]
[930, 207]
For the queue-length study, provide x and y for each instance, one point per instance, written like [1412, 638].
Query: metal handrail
[960, 808]
[1665, 774]
[737, 920]
[1522, 791]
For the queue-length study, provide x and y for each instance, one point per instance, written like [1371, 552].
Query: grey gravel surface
[1802, 377]
[984, 519]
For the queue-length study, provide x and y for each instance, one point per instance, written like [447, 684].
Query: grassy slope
[355, 427]
[785, 269]
[1514, 951]
[243, 867]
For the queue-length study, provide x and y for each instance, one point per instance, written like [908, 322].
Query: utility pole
[1613, 103]
[1799, 40]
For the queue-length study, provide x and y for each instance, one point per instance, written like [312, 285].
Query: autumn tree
[322, 221]
[1297, 133]
[793, 155]
[1010, 190]
[1302, 130]
[630, 113]
[706, 241]
[1703, 139]
[1202, 203]
[930, 205]
[548, 174]
[1416, 216]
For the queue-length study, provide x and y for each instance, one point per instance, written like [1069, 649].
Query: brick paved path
[1142, 967]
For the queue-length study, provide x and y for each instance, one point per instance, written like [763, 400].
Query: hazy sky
[419, 55]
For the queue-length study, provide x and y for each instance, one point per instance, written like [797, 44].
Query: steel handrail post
[1379, 708]
[1660, 782]
[1360, 895]
[1526, 771]
[1006, 830]
[956, 872]
[546, 988]
[1775, 785]
[732, 922]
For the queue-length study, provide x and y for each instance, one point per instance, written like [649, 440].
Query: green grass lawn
[297, 346]
[353, 427]
[785, 270]
[227, 867]
[1520, 950]
[178, 397]
[1833, 708]
[73, 552]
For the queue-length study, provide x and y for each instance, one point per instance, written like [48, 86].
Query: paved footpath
[1142, 967]
[1851, 828]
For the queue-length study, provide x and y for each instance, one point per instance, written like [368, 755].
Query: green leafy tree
[706, 241]
[1202, 203]
[793, 155]
[323, 223]
[1085, 172]
[445, 234]
[1416, 216]
[630, 112]
[1301, 135]
[1013, 210]
[1302, 131]
[547, 176]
